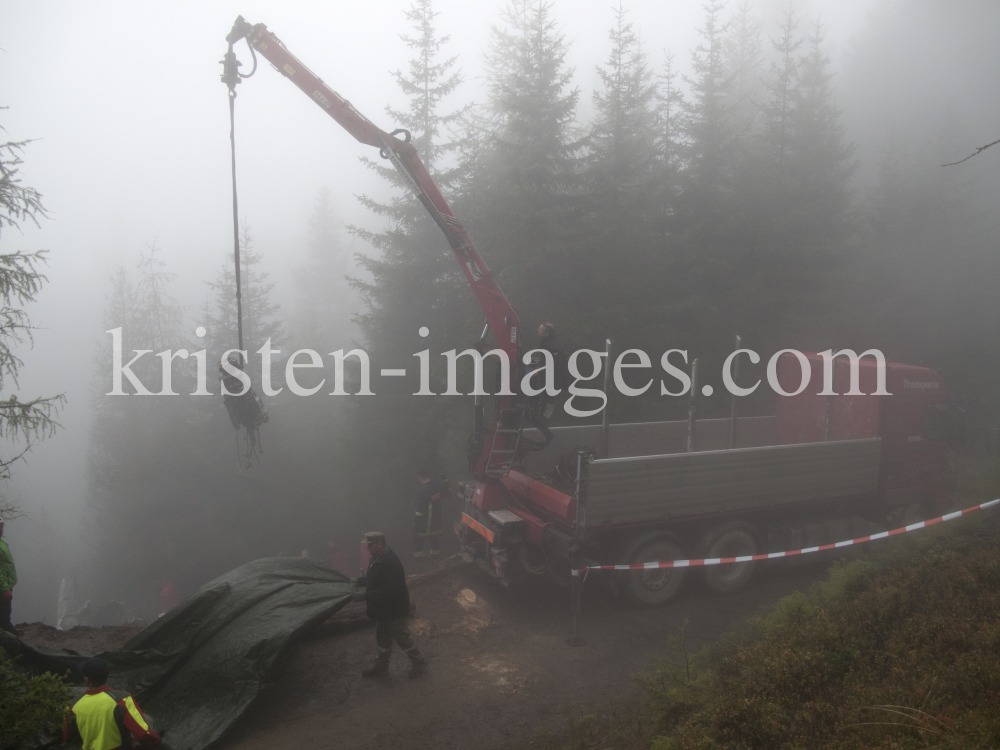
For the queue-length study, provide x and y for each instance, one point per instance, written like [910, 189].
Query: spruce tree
[743, 59]
[622, 173]
[669, 119]
[143, 449]
[531, 197]
[260, 313]
[698, 257]
[781, 82]
[325, 299]
[809, 212]
[413, 279]
[707, 122]
[822, 160]
[21, 279]
[623, 138]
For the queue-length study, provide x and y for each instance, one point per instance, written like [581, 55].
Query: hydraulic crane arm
[499, 314]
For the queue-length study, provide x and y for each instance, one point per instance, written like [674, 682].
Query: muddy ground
[499, 668]
[82, 639]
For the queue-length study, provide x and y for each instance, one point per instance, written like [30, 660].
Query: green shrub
[902, 654]
[30, 706]
[899, 649]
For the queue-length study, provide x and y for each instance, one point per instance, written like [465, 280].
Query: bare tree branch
[974, 153]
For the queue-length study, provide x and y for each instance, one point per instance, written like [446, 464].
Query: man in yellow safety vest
[105, 718]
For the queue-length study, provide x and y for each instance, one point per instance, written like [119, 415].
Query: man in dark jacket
[538, 406]
[388, 604]
[427, 517]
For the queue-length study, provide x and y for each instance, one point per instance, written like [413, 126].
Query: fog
[130, 146]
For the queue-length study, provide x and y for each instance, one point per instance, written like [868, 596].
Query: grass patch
[898, 650]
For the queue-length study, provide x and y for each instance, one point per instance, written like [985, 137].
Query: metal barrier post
[692, 406]
[732, 406]
[605, 426]
[575, 589]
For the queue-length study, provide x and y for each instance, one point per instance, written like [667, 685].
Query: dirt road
[499, 666]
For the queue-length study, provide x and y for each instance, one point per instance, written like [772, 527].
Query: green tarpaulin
[197, 668]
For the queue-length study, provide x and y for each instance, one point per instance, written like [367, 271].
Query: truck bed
[623, 490]
[652, 438]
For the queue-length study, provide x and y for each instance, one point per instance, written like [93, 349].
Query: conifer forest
[763, 179]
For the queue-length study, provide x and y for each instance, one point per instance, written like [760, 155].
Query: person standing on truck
[427, 517]
[538, 406]
[387, 603]
[105, 718]
[8, 577]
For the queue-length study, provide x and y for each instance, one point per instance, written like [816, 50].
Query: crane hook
[406, 139]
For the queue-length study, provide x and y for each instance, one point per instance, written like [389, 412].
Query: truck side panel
[689, 484]
[653, 438]
[802, 418]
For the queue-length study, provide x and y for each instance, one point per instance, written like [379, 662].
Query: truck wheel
[650, 588]
[731, 540]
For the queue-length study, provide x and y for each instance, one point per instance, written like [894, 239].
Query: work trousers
[5, 623]
[427, 525]
[387, 631]
[433, 543]
[536, 406]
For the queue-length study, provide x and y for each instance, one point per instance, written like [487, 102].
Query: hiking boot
[418, 668]
[379, 669]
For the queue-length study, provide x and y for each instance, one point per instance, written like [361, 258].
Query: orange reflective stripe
[473, 524]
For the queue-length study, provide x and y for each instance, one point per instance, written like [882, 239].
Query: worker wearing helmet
[8, 577]
[104, 718]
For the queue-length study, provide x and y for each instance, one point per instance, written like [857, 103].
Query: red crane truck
[819, 470]
[822, 469]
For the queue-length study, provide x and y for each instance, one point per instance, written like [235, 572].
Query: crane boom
[500, 315]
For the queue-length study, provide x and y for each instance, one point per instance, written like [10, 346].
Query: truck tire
[651, 588]
[730, 540]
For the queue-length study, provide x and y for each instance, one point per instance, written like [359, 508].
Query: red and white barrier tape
[774, 555]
